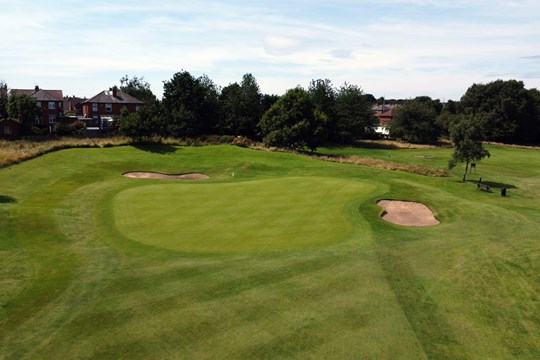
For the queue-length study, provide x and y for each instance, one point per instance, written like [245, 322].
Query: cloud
[393, 44]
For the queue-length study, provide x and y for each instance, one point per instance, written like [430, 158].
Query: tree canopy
[190, 105]
[138, 88]
[467, 135]
[3, 99]
[23, 108]
[355, 119]
[415, 121]
[294, 122]
[512, 113]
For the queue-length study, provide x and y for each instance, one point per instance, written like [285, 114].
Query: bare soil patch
[407, 213]
[158, 175]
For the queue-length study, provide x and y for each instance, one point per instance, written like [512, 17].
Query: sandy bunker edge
[158, 175]
[407, 213]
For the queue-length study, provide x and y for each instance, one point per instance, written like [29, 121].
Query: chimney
[36, 88]
[114, 91]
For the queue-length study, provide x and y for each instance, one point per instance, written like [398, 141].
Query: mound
[407, 213]
[157, 175]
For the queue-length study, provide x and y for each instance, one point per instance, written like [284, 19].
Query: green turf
[288, 258]
[253, 216]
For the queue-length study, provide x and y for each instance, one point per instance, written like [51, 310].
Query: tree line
[301, 118]
[503, 111]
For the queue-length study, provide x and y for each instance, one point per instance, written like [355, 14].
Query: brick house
[108, 103]
[73, 104]
[51, 103]
[10, 129]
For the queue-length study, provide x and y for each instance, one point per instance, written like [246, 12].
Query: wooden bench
[484, 187]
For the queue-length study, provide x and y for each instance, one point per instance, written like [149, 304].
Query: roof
[107, 97]
[385, 114]
[42, 94]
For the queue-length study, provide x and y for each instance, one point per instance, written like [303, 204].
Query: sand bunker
[157, 175]
[407, 213]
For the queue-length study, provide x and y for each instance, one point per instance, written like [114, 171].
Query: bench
[484, 187]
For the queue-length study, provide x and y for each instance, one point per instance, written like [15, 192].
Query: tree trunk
[466, 170]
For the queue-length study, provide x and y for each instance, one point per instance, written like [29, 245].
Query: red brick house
[10, 129]
[51, 103]
[109, 103]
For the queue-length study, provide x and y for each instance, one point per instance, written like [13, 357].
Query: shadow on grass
[156, 148]
[4, 199]
[493, 184]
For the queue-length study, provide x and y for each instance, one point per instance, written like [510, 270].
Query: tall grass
[13, 152]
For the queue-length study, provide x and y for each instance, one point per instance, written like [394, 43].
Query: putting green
[252, 216]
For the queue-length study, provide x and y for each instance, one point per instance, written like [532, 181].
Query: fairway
[288, 258]
[261, 215]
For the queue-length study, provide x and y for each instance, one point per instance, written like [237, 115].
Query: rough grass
[76, 284]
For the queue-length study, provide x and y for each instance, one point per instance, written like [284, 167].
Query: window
[108, 107]
[137, 107]
[52, 105]
[38, 103]
[52, 119]
[94, 107]
[7, 130]
[37, 120]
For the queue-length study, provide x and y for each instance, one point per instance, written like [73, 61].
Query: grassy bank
[277, 255]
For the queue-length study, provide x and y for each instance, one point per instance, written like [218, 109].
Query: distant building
[51, 103]
[385, 114]
[9, 129]
[108, 103]
[73, 105]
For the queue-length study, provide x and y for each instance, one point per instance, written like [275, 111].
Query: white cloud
[402, 46]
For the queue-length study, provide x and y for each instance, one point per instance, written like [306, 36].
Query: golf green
[249, 216]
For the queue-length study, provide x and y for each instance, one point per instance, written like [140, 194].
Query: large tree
[142, 124]
[294, 122]
[190, 105]
[354, 117]
[23, 107]
[241, 106]
[138, 88]
[467, 135]
[511, 111]
[323, 95]
[415, 121]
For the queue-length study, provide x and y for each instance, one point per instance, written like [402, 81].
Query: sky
[391, 48]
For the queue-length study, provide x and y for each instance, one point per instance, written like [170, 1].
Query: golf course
[268, 255]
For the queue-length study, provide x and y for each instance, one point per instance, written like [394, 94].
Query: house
[108, 103]
[385, 114]
[9, 129]
[73, 105]
[51, 103]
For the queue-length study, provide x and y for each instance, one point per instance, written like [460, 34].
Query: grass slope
[287, 259]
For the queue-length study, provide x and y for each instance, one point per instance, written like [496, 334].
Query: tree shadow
[156, 148]
[493, 184]
[4, 199]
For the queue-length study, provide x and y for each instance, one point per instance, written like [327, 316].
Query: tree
[294, 122]
[142, 124]
[241, 106]
[511, 111]
[23, 108]
[323, 94]
[138, 88]
[190, 105]
[230, 105]
[354, 117]
[415, 121]
[3, 99]
[467, 135]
